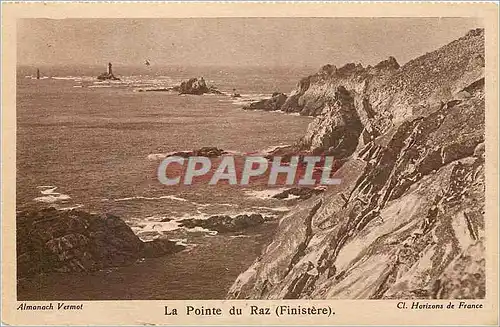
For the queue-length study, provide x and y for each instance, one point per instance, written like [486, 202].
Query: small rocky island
[108, 75]
[193, 86]
[196, 86]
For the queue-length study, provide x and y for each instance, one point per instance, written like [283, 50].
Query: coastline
[368, 120]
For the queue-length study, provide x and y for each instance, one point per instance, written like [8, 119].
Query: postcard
[249, 163]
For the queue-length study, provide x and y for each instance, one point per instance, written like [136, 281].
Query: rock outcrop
[224, 223]
[301, 193]
[196, 86]
[407, 221]
[107, 76]
[273, 103]
[336, 133]
[64, 241]
[207, 151]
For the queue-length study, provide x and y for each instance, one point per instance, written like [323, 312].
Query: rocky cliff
[407, 220]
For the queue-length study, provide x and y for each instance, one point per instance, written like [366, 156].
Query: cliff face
[407, 220]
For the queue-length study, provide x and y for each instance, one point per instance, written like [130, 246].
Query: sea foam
[50, 196]
[133, 198]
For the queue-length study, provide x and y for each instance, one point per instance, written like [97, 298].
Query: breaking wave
[50, 196]
[170, 197]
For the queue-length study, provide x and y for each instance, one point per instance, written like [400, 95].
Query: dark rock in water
[224, 224]
[196, 86]
[212, 89]
[271, 104]
[159, 247]
[65, 241]
[303, 193]
[161, 89]
[107, 76]
[208, 151]
[183, 154]
[235, 94]
[245, 221]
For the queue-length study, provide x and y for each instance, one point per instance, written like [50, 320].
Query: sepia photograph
[251, 158]
[101, 102]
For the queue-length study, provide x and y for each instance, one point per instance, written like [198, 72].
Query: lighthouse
[108, 75]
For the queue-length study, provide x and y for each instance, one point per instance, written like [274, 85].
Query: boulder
[159, 247]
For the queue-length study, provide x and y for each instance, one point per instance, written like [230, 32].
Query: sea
[96, 145]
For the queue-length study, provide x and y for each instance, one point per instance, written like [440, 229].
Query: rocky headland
[51, 240]
[407, 221]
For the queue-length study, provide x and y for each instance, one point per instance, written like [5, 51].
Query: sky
[233, 41]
